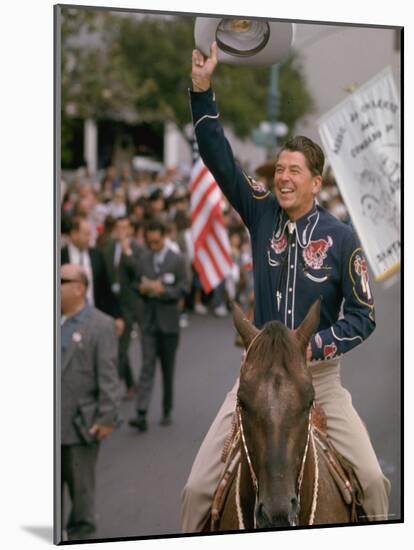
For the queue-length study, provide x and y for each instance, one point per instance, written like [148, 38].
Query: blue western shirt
[294, 262]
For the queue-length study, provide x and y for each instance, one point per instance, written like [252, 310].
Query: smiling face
[294, 184]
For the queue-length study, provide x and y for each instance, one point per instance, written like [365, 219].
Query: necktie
[116, 286]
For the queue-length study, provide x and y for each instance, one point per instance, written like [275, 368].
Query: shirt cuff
[323, 350]
[203, 104]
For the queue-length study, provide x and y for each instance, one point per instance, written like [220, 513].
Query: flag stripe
[206, 215]
[208, 275]
[212, 253]
[205, 198]
[200, 171]
[221, 236]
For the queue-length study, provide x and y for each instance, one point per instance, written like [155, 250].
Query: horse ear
[309, 324]
[244, 327]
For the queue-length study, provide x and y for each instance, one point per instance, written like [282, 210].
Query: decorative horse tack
[238, 503]
[316, 438]
[300, 478]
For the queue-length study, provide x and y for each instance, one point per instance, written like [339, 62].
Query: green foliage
[96, 82]
[295, 99]
[158, 54]
[115, 65]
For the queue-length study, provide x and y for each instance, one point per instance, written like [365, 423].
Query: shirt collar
[80, 316]
[75, 252]
[304, 225]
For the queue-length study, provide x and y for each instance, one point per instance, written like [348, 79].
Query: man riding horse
[300, 252]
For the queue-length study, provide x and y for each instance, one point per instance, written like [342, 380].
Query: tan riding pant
[345, 430]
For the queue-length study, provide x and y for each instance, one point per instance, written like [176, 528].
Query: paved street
[140, 476]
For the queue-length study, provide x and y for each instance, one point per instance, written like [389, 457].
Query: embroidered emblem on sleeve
[260, 191]
[329, 350]
[316, 252]
[360, 266]
[358, 273]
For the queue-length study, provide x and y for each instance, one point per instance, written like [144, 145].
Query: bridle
[310, 440]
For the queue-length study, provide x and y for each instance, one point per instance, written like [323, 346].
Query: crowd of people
[142, 197]
[113, 233]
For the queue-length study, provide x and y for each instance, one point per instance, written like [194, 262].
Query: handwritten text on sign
[361, 137]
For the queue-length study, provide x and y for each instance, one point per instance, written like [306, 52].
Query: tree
[95, 82]
[137, 67]
[158, 52]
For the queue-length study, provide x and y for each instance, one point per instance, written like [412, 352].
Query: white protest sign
[361, 137]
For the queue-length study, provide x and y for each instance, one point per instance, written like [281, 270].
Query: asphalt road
[140, 475]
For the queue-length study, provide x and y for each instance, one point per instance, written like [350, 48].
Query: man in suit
[162, 282]
[89, 395]
[78, 251]
[122, 255]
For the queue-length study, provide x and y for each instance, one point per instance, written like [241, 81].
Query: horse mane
[273, 342]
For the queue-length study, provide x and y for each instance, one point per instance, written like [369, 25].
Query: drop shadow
[40, 531]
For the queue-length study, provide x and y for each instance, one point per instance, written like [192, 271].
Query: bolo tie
[284, 264]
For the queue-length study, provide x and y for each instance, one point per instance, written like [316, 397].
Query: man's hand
[145, 286]
[151, 287]
[100, 431]
[120, 326]
[158, 287]
[202, 69]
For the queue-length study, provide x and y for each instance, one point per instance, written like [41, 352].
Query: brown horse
[282, 478]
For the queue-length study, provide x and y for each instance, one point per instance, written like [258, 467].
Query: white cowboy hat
[244, 41]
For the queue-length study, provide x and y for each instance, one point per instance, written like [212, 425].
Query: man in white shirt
[78, 252]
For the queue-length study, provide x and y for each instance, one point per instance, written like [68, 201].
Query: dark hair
[75, 223]
[155, 225]
[314, 156]
[182, 220]
[140, 202]
[155, 195]
[136, 226]
[121, 219]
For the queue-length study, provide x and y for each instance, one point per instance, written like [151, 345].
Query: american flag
[212, 252]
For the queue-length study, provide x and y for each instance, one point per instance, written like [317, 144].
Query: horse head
[274, 401]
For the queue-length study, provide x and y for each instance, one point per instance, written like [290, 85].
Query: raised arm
[243, 193]
[202, 69]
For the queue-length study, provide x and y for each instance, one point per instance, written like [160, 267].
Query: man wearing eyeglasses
[89, 395]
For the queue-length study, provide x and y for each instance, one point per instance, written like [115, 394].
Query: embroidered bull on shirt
[316, 252]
